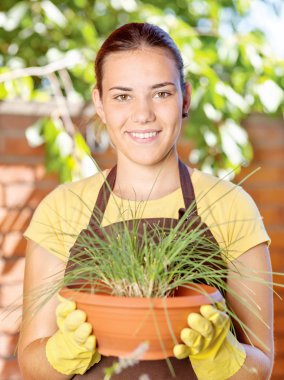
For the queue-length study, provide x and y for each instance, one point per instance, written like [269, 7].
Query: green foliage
[146, 269]
[63, 154]
[232, 74]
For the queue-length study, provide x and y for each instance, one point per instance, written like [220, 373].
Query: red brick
[184, 149]
[17, 122]
[13, 244]
[279, 346]
[42, 175]
[2, 196]
[18, 195]
[106, 159]
[273, 215]
[11, 271]
[19, 146]
[14, 220]
[10, 320]
[11, 295]
[277, 237]
[16, 173]
[268, 196]
[278, 371]
[267, 175]
[37, 196]
[277, 258]
[265, 131]
[8, 344]
[9, 370]
[268, 155]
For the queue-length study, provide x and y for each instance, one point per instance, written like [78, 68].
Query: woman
[141, 96]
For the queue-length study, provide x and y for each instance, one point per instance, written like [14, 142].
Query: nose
[143, 111]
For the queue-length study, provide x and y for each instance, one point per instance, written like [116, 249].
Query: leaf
[34, 134]
[53, 13]
[14, 16]
[81, 144]
[270, 94]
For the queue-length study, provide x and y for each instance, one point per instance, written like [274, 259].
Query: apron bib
[155, 369]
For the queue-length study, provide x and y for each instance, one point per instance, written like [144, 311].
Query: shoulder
[63, 213]
[222, 195]
[230, 213]
[210, 189]
[81, 189]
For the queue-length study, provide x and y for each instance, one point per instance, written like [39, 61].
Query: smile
[143, 135]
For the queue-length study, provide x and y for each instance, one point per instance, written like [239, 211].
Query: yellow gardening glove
[214, 352]
[72, 349]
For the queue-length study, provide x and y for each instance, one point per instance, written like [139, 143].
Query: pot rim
[208, 294]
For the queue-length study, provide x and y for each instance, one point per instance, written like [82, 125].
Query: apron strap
[102, 199]
[186, 185]
[108, 185]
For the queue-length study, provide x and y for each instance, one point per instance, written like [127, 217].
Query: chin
[147, 160]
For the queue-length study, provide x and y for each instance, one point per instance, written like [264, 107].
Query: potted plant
[146, 293]
[157, 272]
[149, 290]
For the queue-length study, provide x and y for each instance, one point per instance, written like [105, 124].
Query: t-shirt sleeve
[245, 227]
[46, 227]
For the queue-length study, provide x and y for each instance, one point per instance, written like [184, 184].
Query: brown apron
[157, 369]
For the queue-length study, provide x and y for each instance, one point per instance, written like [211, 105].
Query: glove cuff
[66, 365]
[51, 358]
[225, 364]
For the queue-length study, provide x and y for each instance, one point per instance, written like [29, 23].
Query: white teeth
[143, 135]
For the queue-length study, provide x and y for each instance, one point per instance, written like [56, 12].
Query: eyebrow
[158, 85]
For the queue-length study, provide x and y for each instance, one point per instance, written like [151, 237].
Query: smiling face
[142, 104]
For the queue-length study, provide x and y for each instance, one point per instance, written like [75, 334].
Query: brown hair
[132, 36]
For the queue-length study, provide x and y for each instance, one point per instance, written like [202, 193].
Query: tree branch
[41, 71]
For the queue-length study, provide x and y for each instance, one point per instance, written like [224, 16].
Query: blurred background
[234, 57]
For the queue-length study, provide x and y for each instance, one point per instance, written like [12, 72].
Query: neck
[142, 182]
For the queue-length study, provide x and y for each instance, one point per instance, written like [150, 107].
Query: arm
[213, 350]
[40, 264]
[259, 359]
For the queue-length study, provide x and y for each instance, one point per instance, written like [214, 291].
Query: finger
[193, 340]
[221, 305]
[65, 308]
[217, 317]
[74, 320]
[181, 351]
[90, 343]
[82, 332]
[201, 325]
[95, 359]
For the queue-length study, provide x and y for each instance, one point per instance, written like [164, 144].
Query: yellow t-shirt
[229, 212]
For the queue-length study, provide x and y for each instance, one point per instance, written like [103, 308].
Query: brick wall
[267, 189]
[23, 183]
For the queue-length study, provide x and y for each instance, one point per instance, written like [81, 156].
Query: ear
[98, 104]
[186, 97]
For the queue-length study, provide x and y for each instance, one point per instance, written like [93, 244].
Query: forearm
[34, 364]
[257, 366]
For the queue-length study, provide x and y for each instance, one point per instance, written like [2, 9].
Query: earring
[185, 114]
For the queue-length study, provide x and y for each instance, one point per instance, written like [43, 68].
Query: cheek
[171, 114]
[115, 116]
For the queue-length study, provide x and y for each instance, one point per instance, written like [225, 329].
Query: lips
[144, 136]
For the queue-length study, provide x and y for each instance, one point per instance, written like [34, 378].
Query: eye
[122, 97]
[162, 94]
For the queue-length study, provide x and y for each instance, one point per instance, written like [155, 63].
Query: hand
[214, 352]
[72, 349]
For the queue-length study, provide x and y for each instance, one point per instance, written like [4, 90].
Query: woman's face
[142, 104]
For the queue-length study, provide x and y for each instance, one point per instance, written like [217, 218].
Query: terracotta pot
[120, 324]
